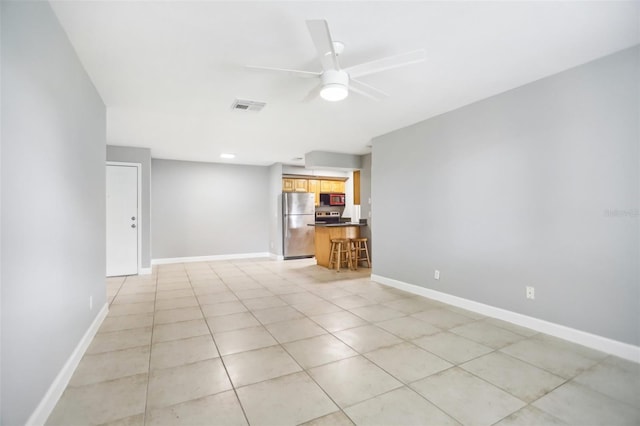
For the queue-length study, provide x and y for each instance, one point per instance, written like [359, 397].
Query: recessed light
[227, 156]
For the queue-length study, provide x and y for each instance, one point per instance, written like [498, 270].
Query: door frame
[138, 167]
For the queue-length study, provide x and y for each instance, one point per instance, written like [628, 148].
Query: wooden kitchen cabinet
[331, 186]
[314, 186]
[317, 186]
[356, 187]
[325, 186]
[337, 187]
[300, 185]
[288, 185]
[294, 185]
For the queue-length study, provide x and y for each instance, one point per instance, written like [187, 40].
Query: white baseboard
[145, 271]
[604, 344]
[167, 260]
[276, 256]
[50, 399]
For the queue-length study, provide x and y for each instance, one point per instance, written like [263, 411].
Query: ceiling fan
[335, 82]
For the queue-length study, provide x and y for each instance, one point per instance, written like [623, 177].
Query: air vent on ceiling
[244, 105]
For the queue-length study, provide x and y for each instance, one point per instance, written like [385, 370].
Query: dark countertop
[336, 225]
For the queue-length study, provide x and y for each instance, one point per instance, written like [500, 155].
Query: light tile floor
[266, 342]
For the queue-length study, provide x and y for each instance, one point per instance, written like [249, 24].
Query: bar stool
[359, 246]
[340, 253]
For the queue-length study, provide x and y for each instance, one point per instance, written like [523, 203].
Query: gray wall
[537, 186]
[365, 207]
[143, 156]
[53, 204]
[204, 209]
[323, 159]
[275, 209]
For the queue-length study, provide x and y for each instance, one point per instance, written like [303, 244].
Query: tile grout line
[534, 365]
[117, 292]
[308, 288]
[409, 341]
[358, 353]
[303, 369]
[153, 322]
[216, 346]
[497, 350]
[403, 383]
[282, 346]
[494, 350]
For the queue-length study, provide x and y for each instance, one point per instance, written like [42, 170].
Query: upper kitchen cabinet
[314, 186]
[317, 186]
[337, 186]
[300, 185]
[294, 185]
[288, 185]
[325, 186]
[331, 186]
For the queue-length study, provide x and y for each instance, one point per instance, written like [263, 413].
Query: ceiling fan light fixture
[336, 82]
[334, 92]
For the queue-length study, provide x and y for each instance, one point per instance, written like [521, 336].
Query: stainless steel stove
[327, 217]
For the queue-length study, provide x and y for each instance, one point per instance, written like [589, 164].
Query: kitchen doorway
[123, 218]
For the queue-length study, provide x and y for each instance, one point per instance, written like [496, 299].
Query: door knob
[133, 218]
[133, 225]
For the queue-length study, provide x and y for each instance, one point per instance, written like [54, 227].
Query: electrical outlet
[436, 275]
[90, 303]
[531, 293]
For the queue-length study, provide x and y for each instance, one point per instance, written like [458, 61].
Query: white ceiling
[168, 71]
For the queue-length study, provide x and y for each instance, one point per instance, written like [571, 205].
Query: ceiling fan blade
[296, 73]
[364, 87]
[363, 93]
[387, 63]
[313, 93]
[319, 30]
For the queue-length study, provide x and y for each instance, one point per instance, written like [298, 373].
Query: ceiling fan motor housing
[335, 77]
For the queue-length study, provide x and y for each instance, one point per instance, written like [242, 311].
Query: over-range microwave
[332, 199]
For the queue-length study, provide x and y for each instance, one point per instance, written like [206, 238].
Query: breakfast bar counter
[325, 232]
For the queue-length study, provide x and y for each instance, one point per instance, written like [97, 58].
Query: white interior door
[122, 220]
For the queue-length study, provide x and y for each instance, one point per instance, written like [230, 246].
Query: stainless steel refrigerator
[298, 211]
